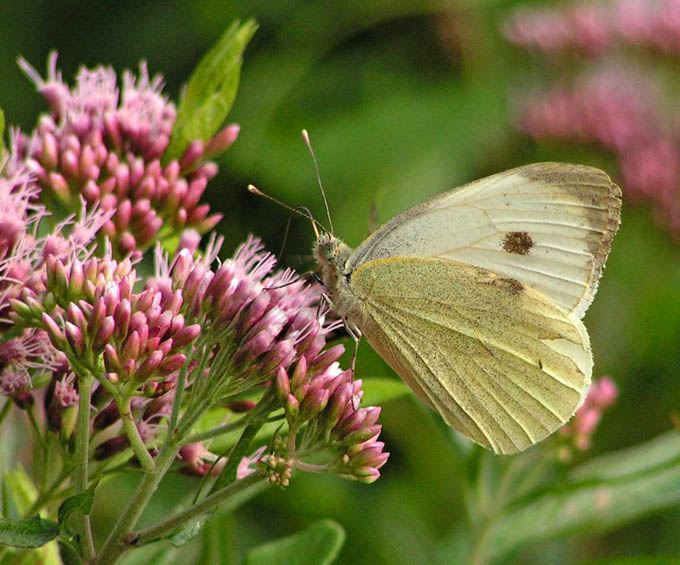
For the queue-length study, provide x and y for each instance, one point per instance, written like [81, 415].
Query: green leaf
[608, 491]
[20, 488]
[81, 502]
[34, 532]
[379, 390]
[256, 417]
[211, 90]
[217, 541]
[318, 544]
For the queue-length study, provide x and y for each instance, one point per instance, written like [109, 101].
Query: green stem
[532, 479]
[254, 482]
[40, 456]
[255, 419]
[35, 426]
[478, 556]
[114, 545]
[311, 467]
[132, 433]
[5, 410]
[85, 383]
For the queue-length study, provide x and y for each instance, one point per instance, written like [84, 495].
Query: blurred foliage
[403, 99]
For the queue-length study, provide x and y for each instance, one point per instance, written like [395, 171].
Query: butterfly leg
[355, 333]
[324, 299]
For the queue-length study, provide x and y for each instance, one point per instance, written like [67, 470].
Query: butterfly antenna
[285, 235]
[305, 137]
[315, 225]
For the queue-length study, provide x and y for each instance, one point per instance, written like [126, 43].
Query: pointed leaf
[319, 544]
[81, 502]
[211, 90]
[604, 493]
[34, 532]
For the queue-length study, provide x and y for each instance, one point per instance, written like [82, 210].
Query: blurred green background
[403, 100]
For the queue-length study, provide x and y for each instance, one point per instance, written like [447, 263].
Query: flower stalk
[228, 498]
[82, 458]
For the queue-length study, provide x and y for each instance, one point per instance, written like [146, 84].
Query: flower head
[326, 401]
[274, 317]
[106, 146]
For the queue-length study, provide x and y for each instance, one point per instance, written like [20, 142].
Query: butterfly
[475, 297]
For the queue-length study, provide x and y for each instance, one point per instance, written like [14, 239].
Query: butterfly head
[331, 254]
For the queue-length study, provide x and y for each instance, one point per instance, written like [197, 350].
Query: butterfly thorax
[333, 255]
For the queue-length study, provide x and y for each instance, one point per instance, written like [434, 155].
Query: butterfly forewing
[498, 360]
[548, 226]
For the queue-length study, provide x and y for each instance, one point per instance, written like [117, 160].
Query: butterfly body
[474, 297]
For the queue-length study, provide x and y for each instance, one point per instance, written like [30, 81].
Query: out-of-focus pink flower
[579, 431]
[245, 467]
[199, 460]
[593, 27]
[582, 26]
[614, 108]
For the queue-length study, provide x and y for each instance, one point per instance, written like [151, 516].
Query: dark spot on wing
[518, 242]
[513, 285]
[540, 364]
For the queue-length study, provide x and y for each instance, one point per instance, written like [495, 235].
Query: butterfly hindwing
[499, 361]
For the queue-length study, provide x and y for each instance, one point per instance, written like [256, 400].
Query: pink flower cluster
[273, 316]
[142, 335]
[110, 153]
[327, 400]
[579, 431]
[72, 301]
[22, 263]
[593, 27]
[618, 112]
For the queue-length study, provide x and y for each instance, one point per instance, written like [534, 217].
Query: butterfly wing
[498, 360]
[547, 225]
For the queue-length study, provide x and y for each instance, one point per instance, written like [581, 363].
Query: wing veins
[491, 392]
[550, 409]
[498, 346]
[565, 224]
[482, 405]
[544, 273]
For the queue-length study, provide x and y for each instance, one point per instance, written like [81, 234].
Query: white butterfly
[475, 297]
